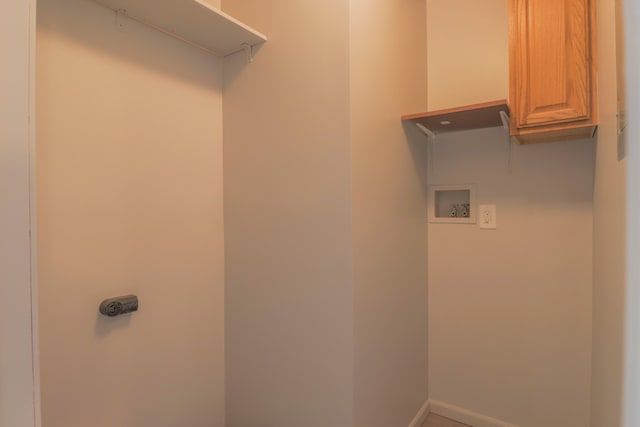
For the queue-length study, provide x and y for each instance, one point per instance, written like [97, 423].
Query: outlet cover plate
[487, 217]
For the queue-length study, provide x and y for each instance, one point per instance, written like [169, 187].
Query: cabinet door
[549, 61]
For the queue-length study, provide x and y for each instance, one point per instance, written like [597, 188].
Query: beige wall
[129, 185]
[631, 411]
[289, 306]
[320, 178]
[467, 52]
[509, 309]
[18, 387]
[609, 231]
[388, 69]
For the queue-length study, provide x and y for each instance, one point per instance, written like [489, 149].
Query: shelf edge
[461, 109]
[231, 19]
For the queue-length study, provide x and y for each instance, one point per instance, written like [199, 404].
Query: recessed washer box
[453, 204]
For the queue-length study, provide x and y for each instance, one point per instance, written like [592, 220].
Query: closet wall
[18, 375]
[325, 228]
[609, 236]
[389, 227]
[129, 195]
[509, 309]
[288, 298]
[467, 52]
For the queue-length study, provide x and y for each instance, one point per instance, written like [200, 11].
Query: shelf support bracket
[506, 125]
[430, 135]
[248, 49]
[505, 120]
[121, 19]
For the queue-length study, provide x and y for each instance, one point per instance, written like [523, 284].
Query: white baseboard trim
[464, 416]
[421, 416]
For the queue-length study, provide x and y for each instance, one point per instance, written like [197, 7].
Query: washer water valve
[460, 210]
[120, 305]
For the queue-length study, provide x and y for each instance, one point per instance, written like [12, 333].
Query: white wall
[631, 417]
[509, 309]
[320, 177]
[129, 184]
[609, 231]
[467, 52]
[18, 389]
[388, 79]
[289, 306]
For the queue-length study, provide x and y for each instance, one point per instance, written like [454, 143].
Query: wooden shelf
[469, 117]
[193, 21]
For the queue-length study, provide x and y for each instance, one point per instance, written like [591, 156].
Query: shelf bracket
[506, 125]
[505, 120]
[248, 49]
[430, 135]
[121, 19]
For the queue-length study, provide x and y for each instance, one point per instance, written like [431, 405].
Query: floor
[434, 420]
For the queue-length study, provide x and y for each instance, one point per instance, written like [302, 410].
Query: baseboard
[421, 416]
[464, 416]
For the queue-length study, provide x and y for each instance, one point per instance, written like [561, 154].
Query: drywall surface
[389, 224]
[609, 231]
[467, 52]
[510, 308]
[289, 305]
[129, 183]
[18, 389]
[631, 411]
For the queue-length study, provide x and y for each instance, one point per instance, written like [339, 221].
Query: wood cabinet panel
[552, 68]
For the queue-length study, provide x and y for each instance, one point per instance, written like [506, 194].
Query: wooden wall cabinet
[552, 69]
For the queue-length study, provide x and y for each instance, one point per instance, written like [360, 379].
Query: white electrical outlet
[487, 217]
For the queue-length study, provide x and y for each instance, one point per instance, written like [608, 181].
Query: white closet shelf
[193, 21]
